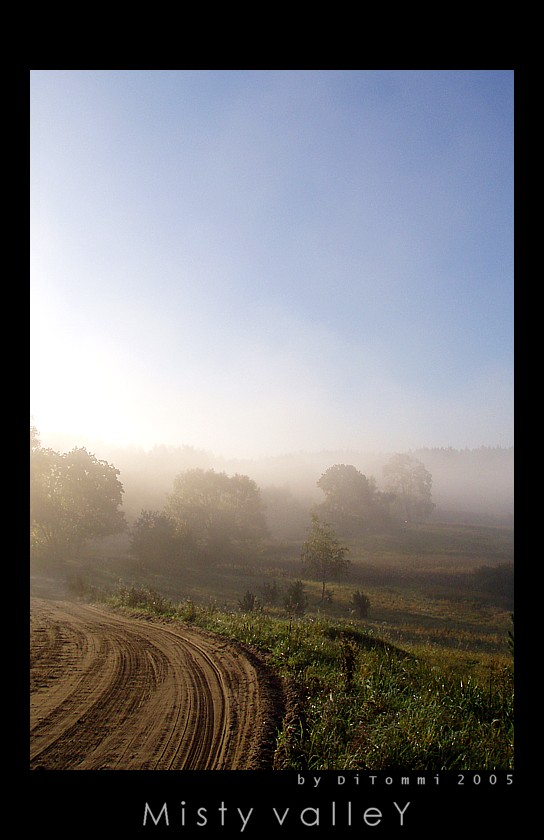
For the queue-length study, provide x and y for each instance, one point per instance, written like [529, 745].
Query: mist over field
[469, 485]
[272, 407]
[246, 549]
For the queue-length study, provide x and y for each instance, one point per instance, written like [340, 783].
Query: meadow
[421, 678]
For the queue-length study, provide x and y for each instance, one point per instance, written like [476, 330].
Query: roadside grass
[424, 682]
[359, 702]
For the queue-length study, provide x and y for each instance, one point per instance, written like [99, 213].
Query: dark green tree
[324, 554]
[295, 600]
[74, 497]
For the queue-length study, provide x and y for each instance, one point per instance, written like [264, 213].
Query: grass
[425, 682]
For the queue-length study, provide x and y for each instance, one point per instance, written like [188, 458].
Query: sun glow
[75, 382]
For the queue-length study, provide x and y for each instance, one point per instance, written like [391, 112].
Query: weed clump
[249, 603]
[142, 597]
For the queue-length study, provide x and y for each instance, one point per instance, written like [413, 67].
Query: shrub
[249, 603]
[270, 593]
[360, 604]
[296, 601]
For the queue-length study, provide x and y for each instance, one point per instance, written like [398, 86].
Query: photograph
[271, 477]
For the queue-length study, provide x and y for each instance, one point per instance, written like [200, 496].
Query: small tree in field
[360, 604]
[249, 603]
[295, 599]
[323, 553]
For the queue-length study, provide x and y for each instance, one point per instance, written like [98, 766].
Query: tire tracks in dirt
[110, 691]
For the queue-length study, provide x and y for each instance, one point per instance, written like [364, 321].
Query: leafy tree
[35, 442]
[217, 509]
[41, 470]
[352, 501]
[411, 483]
[74, 498]
[248, 509]
[155, 539]
[323, 553]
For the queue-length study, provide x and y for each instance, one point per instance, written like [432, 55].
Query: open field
[445, 585]
[424, 681]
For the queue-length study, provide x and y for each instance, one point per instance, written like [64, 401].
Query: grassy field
[424, 681]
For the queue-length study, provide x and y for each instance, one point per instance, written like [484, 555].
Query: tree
[323, 553]
[248, 509]
[286, 515]
[217, 509]
[352, 501]
[296, 600]
[74, 497]
[155, 540]
[360, 603]
[249, 603]
[41, 471]
[411, 483]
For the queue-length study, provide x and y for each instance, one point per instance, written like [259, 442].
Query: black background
[70, 802]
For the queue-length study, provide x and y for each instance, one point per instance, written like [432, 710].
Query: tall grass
[357, 701]
[424, 681]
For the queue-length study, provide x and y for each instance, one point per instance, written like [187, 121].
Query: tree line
[75, 498]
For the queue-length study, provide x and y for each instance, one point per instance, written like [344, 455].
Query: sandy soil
[113, 692]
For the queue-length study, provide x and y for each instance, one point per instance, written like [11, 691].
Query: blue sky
[255, 262]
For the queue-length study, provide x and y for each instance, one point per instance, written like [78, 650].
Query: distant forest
[468, 485]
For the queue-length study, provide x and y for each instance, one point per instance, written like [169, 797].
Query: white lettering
[401, 812]
[282, 819]
[164, 810]
[316, 816]
[372, 814]
[245, 821]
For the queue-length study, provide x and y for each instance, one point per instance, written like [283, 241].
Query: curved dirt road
[112, 692]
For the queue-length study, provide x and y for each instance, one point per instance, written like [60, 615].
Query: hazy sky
[255, 262]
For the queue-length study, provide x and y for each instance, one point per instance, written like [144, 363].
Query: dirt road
[118, 693]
